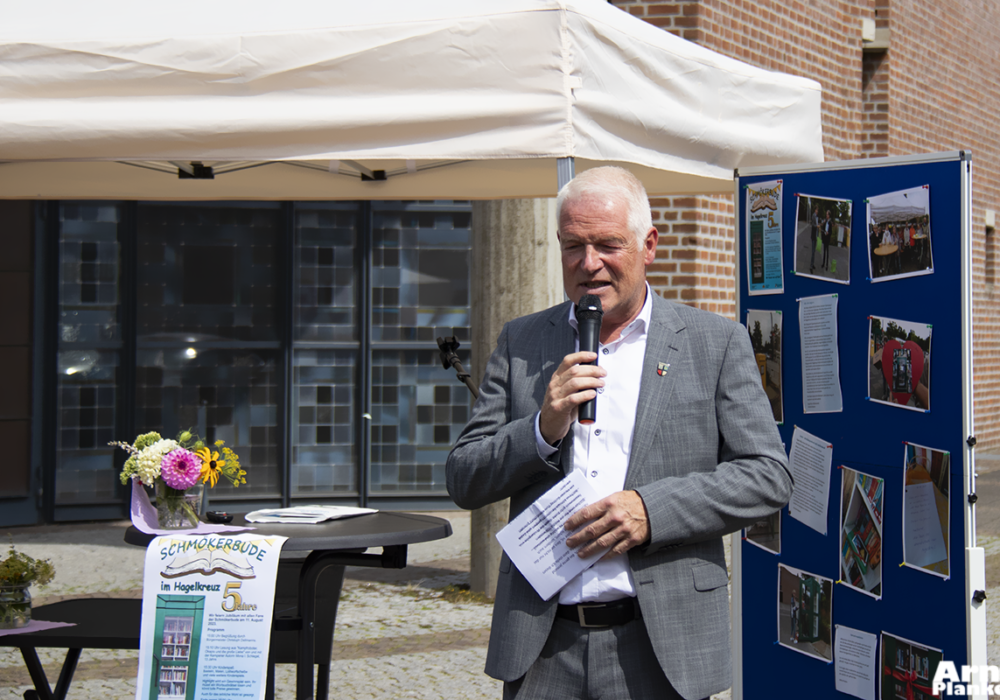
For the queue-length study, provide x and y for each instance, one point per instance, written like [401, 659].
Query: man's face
[601, 256]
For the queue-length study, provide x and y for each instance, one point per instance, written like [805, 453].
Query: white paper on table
[923, 541]
[820, 355]
[810, 460]
[854, 662]
[308, 515]
[535, 540]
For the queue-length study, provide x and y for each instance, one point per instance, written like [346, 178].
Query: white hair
[617, 185]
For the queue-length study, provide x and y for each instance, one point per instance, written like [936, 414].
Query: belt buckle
[582, 618]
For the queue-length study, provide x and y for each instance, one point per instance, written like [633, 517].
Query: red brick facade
[934, 87]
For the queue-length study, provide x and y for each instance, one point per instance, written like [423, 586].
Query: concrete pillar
[515, 271]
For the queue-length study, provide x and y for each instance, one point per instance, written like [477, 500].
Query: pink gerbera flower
[180, 469]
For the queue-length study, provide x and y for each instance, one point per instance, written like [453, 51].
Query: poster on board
[899, 367]
[861, 499]
[823, 238]
[899, 234]
[764, 254]
[926, 509]
[765, 336]
[207, 605]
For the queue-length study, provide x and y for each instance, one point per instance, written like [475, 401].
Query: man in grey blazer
[684, 449]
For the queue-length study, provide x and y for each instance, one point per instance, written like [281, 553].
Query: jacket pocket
[708, 577]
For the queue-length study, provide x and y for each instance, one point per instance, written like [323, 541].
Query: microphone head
[589, 308]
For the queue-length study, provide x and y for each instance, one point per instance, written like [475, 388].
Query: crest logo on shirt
[662, 367]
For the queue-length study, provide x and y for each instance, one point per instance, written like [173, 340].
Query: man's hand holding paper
[616, 524]
[536, 540]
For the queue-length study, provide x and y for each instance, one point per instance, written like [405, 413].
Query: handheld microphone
[588, 319]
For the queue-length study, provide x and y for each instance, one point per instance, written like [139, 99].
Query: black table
[100, 623]
[327, 548]
[331, 546]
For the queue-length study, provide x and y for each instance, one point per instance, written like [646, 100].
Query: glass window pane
[88, 280]
[86, 412]
[89, 339]
[208, 271]
[324, 428]
[420, 271]
[326, 288]
[221, 394]
[418, 411]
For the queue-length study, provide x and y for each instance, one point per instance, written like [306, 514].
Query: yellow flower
[211, 466]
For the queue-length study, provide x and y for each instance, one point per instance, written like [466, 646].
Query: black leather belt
[617, 612]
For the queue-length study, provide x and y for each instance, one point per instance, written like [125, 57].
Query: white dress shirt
[601, 450]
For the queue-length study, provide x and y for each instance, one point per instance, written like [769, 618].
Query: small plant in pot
[17, 572]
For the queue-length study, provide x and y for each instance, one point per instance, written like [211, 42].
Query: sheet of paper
[854, 662]
[923, 542]
[820, 355]
[810, 460]
[535, 540]
[207, 606]
[306, 514]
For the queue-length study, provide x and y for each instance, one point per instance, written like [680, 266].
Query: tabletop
[886, 249]
[382, 529]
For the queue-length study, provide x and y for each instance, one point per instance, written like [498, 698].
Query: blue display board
[867, 436]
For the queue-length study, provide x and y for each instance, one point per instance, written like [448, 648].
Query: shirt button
[606, 351]
[593, 473]
[597, 432]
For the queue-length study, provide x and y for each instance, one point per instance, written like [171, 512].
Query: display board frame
[868, 435]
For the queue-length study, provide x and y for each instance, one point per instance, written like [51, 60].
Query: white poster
[820, 355]
[207, 604]
[854, 656]
[810, 460]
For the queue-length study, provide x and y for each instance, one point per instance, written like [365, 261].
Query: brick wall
[934, 89]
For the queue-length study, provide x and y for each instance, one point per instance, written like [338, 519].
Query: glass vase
[15, 607]
[178, 510]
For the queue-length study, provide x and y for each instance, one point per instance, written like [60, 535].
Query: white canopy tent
[388, 99]
[900, 206]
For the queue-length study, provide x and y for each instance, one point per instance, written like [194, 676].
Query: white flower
[148, 461]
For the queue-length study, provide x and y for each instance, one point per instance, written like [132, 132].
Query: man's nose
[591, 259]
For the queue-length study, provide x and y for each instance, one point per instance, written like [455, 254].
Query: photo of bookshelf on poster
[861, 508]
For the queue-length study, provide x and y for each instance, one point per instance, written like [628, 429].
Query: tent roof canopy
[442, 99]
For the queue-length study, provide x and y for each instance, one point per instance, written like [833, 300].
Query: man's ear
[649, 245]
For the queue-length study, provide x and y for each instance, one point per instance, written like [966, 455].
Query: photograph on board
[899, 367]
[823, 238]
[765, 335]
[805, 612]
[766, 533]
[926, 509]
[861, 531]
[908, 669]
[899, 234]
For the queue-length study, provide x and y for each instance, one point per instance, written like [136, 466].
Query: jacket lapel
[666, 344]
[558, 342]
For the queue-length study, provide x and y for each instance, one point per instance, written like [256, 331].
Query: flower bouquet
[17, 572]
[178, 470]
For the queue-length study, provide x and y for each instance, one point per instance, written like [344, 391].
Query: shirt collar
[639, 323]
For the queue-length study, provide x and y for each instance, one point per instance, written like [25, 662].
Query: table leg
[42, 690]
[393, 557]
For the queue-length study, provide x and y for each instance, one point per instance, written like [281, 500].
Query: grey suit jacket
[706, 459]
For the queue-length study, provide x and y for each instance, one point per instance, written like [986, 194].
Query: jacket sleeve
[751, 479]
[496, 455]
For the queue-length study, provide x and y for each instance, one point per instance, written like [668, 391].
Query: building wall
[933, 89]
[15, 347]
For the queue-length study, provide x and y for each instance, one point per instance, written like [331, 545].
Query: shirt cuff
[545, 450]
